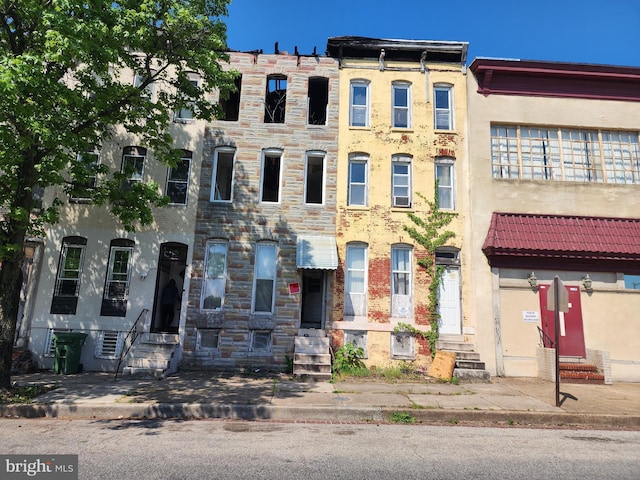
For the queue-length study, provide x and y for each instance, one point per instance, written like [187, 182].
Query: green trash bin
[68, 350]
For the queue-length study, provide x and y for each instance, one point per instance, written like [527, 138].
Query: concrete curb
[352, 414]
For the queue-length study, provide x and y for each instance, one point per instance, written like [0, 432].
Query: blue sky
[583, 31]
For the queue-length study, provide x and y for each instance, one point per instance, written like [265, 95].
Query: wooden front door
[571, 331]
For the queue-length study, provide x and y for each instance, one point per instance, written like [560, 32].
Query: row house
[89, 275]
[265, 253]
[402, 132]
[554, 166]
[285, 234]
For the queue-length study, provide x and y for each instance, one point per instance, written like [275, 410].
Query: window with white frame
[185, 113]
[271, 175]
[565, 154]
[264, 278]
[67, 288]
[401, 281]
[89, 162]
[261, 340]
[357, 338]
[401, 180]
[147, 87]
[401, 107]
[445, 178]
[208, 339]
[133, 159]
[116, 288]
[178, 179]
[358, 179]
[443, 107]
[214, 278]
[356, 266]
[359, 104]
[223, 167]
[314, 181]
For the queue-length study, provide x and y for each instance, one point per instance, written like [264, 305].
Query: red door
[571, 332]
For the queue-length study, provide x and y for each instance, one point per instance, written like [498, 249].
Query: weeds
[402, 417]
[23, 394]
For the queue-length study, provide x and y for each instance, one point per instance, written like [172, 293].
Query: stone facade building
[265, 252]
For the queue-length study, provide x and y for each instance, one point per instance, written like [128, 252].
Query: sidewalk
[503, 401]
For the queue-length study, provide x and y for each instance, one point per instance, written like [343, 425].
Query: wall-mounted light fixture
[587, 283]
[144, 275]
[533, 280]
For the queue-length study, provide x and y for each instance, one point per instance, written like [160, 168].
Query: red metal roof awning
[563, 242]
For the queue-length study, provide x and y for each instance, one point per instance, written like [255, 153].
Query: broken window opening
[315, 179]
[276, 99]
[271, 177]
[231, 104]
[318, 98]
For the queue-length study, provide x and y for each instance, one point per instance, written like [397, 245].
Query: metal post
[556, 313]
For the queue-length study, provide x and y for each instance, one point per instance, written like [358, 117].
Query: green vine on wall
[428, 232]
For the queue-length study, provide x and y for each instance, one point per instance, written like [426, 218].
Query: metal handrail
[545, 340]
[131, 338]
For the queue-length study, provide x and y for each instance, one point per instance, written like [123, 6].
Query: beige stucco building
[91, 276]
[402, 124]
[554, 174]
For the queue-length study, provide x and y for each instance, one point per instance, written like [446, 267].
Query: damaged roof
[538, 240]
[398, 49]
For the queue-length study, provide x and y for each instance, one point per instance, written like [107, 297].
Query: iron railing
[545, 340]
[132, 336]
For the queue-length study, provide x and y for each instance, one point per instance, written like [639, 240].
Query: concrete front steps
[468, 365]
[579, 372]
[312, 356]
[151, 356]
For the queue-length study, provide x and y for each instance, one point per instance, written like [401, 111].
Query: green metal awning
[317, 252]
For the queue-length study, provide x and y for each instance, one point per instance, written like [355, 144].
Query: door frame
[572, 343]
[449, 257]
[172, 264]
[323, 295]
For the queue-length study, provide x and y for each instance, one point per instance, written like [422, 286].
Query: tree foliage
[65, 87]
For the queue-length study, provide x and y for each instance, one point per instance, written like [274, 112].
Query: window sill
[358, 207]
[446, 132]
[402, 129]
[184, 121]
[355, 127]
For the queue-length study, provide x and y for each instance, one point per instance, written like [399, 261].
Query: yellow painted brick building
[402, 121]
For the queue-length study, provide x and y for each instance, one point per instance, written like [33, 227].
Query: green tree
[62, 91]
[428, 232]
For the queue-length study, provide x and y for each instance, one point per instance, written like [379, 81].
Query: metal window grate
[109, 344]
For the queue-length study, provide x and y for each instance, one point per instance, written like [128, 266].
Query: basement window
[231, 104]
[402, 346]
[260, 340]
[275, 102]
[208, 339]
[109, 344]
[357, 338]
[49, 344]
[318, 98]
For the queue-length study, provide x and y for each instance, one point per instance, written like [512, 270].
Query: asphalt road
[216, 449]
